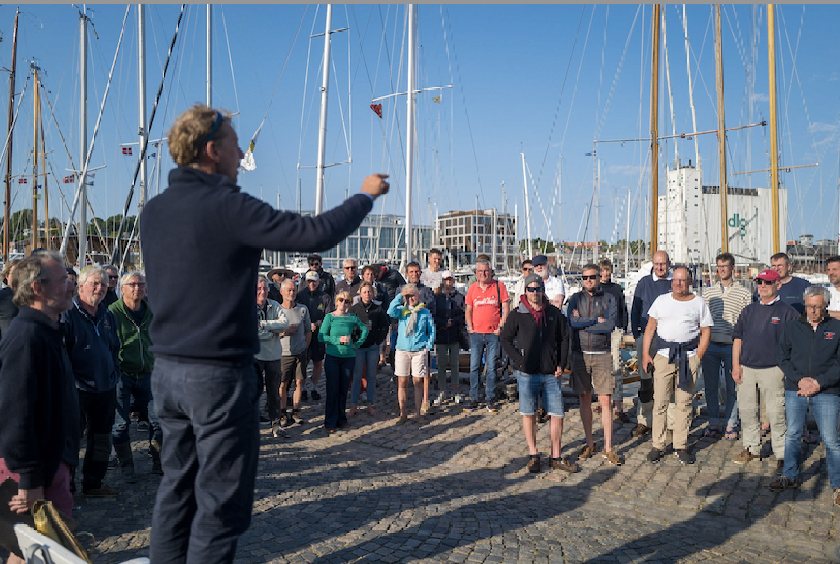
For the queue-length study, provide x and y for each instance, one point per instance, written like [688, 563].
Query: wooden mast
[37, 102]
[654, 132]
[724, 212]
[774, 150]
[7, 231]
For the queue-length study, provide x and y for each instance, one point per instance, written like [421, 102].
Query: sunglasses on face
[527, 269]
[763, 282]
[340, 300]
[538, 289]
[314, 264]
[589, 277]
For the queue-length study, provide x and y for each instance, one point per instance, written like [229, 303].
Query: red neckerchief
[539, 314]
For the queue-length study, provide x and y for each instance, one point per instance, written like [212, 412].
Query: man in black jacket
[319, 304]
[449, 324]
[326, 282]
[536, 338]
[807, 354]
[204, 382]
[39, 412]
[392, 281]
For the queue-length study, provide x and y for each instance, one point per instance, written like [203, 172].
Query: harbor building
[690, 226]
[463, 235]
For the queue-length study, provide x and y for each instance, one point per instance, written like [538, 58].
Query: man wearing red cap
[755, 340]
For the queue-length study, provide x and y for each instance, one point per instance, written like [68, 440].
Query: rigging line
[451, 104]
[142, 156]
[83, 174]
[466, 113]
[560, 98]
[14, 121]
[608, 104]
[577, 80]
[601, 72]
[697, 72]
[303, 101]
[230, 58]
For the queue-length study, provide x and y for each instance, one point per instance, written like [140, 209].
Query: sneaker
[612, 458]
[587, 451]
[304, 396]
[542, 415]
[264, 420]
[533, 463]
[622, 417]
[491, 407]
[439, 399]
[424, 409]
[285, 420]
[101, 491]
[744, 457]
[315, 395]
[296, 417]
[564, 465]
[640, 430]
[655, 455]
[782, 483]
[684, 456]
[469, 406]
[143, 426]
[277, 431]
[329, 430]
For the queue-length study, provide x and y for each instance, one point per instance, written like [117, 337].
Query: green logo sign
[739, 223]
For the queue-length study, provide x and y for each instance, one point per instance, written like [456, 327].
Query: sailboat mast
[82, 231]
[322, 122]
[527, 210]
[654, 131]
[37, 104]
[7, 231]
[210, 55]
[774, 150]
[45, 191]
[409, 128]
[724, 213]
[141, 116]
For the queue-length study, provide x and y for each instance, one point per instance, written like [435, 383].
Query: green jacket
[135, 357]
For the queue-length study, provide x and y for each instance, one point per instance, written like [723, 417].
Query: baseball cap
[312, 275]
[769, 275]
[539, 260]
[446, 274]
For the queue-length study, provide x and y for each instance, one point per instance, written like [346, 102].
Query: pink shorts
[58, 492]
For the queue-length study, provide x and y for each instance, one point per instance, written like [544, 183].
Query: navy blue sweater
[93, 346]
[34, 371]
[203, 226]
[805, 353]
[760, 327]
[647, 290]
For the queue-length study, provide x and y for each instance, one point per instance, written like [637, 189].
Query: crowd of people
[84, 357]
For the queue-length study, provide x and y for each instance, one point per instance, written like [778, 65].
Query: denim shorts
[531, 386]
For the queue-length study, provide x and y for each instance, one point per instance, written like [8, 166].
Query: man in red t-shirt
[487, 308]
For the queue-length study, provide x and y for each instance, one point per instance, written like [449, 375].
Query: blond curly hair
[188, 135]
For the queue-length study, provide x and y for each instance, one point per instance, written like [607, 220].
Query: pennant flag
[68, 179]
[91, 174]
[151, 156]
[126, 151]
[248, 163]
[90, 183]
[38, 186]
[22, 181]
[436, 99]
[377, 109]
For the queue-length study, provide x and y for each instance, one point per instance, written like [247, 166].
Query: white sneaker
[438, 400]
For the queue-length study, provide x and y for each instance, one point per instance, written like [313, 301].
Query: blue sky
[509, 66]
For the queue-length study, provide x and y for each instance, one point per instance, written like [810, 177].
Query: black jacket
[34, 371]
[93, 346]
[204, 223]
[8, 310]
[392, 280]
[319, 305]
[536, 349]
[449, 307]
[377, 321]
[350, 286]
[617, 292]
[589, 335]
[804, 353]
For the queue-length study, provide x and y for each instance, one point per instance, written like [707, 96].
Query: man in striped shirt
[726, 300]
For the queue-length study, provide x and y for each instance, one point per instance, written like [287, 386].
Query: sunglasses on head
[538, 289]
[762, 281]
[589, 277]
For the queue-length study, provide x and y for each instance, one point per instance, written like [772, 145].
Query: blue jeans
[141, 389]
[487, 343]
[367, 359]
[826, 410]
[530, 387]
[338, 372]
[211, 440]
[715, 356]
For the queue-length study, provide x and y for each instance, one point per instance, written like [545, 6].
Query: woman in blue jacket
[415, 338]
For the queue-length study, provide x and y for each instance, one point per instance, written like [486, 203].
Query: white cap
[312, 275]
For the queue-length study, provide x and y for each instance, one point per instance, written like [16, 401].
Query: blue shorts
[531, 386]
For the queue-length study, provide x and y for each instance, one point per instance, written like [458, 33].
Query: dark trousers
[338, 372]
[210, 420]
[270, 372]
[97, 417]
[141, 389]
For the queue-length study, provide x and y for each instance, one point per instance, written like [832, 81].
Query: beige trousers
[770, 383]
[665, 379]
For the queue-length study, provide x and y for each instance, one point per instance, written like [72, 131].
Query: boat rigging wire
[142, 157]
[230, 58]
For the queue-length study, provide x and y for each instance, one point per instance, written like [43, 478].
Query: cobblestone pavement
[456, 490]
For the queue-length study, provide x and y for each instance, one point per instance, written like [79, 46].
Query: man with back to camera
[204, 382]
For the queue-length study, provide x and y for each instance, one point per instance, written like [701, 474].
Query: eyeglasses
[590, 277]
[762, 281]
[527, 269]
[538, 289]
[135, 285]
[314, 264]
[349, 268]
[814, 308]
[482, 271]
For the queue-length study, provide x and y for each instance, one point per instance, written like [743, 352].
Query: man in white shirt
[555, 291]
[431, 276]
[832, 268]
[682, 322]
